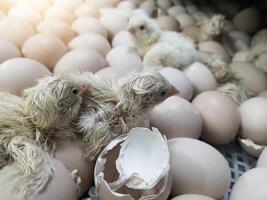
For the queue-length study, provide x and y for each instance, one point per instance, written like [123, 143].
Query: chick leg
[33, 167]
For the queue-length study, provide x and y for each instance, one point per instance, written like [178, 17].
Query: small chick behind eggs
[161, 48]
[127, 109]
[31, 126]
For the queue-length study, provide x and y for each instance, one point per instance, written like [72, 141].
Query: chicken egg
[86, 10]
[173, 11]
[111, 74]
[185, 20]
[251, 185]
[192, 197]
[201, 77]
[59, 13]
[248, 20]
[259, 38]
[89, 25]
[192, 32]
[8, 51]
[176, 117]
[254, 79]
[45, 48]
[15, 31]
[57, 28]
[39, 5]
[164, 4]
[168, 23]
[80, 60]
[70, 153]
[253, 124]
[103, 3]
[125, 59]
[220, 117]
[91, 41]
[149, 6]
[179, 80]
[114, 23]
[18, 74]
[126, 5]
[2, 15]
[124, 38]
[198, 168]
[27, 13]
[262, 161]
[263, 94]
[240, 56]
[67, 4]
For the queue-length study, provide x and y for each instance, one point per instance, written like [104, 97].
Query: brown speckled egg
[15, 31]
[91, 41]
[220, 117]
[253, 124]
[59, 13]
[80, 60]
[89, 25]
[198, 168]
[57, 28]
[192, 197]
[201, 77]
[45, 48]
[8, 51]
[248, 20]
[70, 153]
[253, 78]
[86, 10]
[19, 73]
[168, 23]
[251, 185]
[176, 117]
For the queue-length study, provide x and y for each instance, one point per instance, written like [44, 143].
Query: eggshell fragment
[59, 13]
[198, 168]
[86, 10]
[89, 25]
[220, 117]
[248, 20]
[179, 80]
[18, 74]
[8, 51]
[201, 77]
[251, 185]
[15, 31]
[250, 147]
[253, 125]
[91, 41]
[176, 117]
[124, 38]
[262, 161]
[70, 153]
[80, 60]
[192, 197]
[57, 28]
[44, 48]
[254, 79]
[168, 23]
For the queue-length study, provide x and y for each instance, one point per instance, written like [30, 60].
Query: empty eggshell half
[134, 175]
[91, 41]
[80, 60]
[45, 48]
[198, 168]
[262, 161]
[192, 197]
[8, 51]
[250, 147]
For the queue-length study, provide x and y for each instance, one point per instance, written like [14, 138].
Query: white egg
[59, 13]
[168, 23]
[67, 4]
[179, 80]
[173, 11]
[57, 28]
[5, 5]
[263, 94]
[8, 51]
[91, 41]
[198, 168]
[185, 20]
[220, 117]
[2, 15]
[192, 197]
[176, 117]
[262, 161]
[124, 38]
[15, 31]
[18, 74]
[201, 77]
[87, 10]
[80, 60]
[253, 125]
[45, 48]
[39, 5]
[126, 5]
[240, 56]
[89, 25]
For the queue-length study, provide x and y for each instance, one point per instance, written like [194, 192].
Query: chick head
[144, 28]
[54, 101]
[147, 89]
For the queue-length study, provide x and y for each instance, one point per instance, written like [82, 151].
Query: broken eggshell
[134, 176]
[250, 147]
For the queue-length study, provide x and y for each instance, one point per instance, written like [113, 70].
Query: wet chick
[126, 109]
[31, 126]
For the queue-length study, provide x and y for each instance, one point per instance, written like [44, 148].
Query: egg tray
[239, 162]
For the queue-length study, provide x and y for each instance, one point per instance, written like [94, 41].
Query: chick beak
[131, 29]
[174, 91]
[84, 88]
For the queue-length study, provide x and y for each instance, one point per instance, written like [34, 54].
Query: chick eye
[75, 91]
[163, 93]
[142, 27]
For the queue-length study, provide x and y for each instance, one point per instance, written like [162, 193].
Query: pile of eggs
[39, 37]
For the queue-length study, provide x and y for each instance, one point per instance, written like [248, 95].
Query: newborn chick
[39, 119]
[125, 109]
[161, 48]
